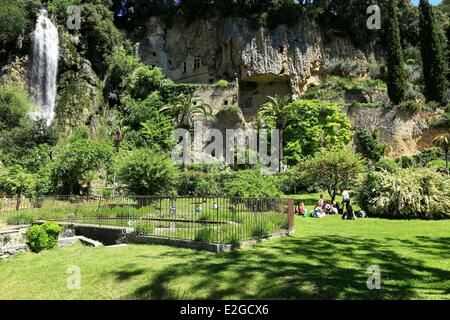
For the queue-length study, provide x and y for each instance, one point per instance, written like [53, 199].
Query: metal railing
[206, 219]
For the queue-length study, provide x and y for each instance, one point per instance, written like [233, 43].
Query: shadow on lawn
[329, 267]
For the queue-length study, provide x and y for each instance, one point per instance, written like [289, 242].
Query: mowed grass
[323, 259]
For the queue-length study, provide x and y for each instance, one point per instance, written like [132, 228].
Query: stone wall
[403, 133]
[217, 97]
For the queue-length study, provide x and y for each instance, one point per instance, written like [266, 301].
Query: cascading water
[44, 68]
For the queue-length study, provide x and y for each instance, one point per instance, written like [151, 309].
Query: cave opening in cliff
[254, 91]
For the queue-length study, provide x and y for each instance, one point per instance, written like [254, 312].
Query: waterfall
[44, 68]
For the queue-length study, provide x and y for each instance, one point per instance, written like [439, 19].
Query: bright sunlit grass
[323, 259]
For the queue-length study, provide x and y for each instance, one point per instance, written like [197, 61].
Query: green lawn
[324, 259]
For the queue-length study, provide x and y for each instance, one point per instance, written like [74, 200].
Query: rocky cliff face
[231, 48]
[404, 134]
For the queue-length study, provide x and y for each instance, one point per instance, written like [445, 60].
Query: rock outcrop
[232, 48]
[403, 133]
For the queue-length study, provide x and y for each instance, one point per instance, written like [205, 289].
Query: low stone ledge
[64, 242]
[8, 251]
[191, 244]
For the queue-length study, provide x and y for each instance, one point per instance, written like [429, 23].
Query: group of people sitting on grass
[323, 208]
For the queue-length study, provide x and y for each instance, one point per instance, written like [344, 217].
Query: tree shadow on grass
[328, 267]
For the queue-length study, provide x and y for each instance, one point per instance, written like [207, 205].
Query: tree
[443, 141]
[13, 20]
[16, 181]
[396, 82]
[332, 170]
[146, 172]
[433, 50]
[185, 108]
[368, 145]
[278, 111]
[315, 125]
[14, 106]
[75, 165]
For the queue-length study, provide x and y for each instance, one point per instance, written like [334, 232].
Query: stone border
[128, 236]
[191, 244]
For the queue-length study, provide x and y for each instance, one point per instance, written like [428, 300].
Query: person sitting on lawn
[327, 208]
[321, 202]
[301, 210]
[334, 207]
[318, 211]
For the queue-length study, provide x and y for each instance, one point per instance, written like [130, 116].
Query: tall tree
[396, 82]
[185, 109]
[278, 110]
[433, 49]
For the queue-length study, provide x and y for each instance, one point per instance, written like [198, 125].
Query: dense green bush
[20, 218]
[37, 238]
[250, 183]
[438, 165]
[406, 194]
[222, 84]
[368, 145]
[147, 172]
[405, 162]
[387, 165]
[53, 230]
[428, 155]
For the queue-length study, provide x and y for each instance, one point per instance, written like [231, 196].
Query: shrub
[405, 162]
[428, 155]
[387, 165]
[368, 145]
[345, 68]
[406, 194]
[205, 235]
[20, 218]
[37, 239]
[222, 84]
[231, 109]
[144, 228]
[52, 229]
[332, 169]
[147, 172]
[410, 106]
[250, 183]
[438, 165]
[263, 230]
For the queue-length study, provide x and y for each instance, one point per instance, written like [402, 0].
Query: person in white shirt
[345, 198]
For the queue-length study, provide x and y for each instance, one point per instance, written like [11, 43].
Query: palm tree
[278, 110]
[184, 109]
[443, 141]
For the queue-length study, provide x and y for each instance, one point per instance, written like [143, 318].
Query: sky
[431, 1]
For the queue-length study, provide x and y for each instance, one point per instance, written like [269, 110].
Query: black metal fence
[206, 219]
